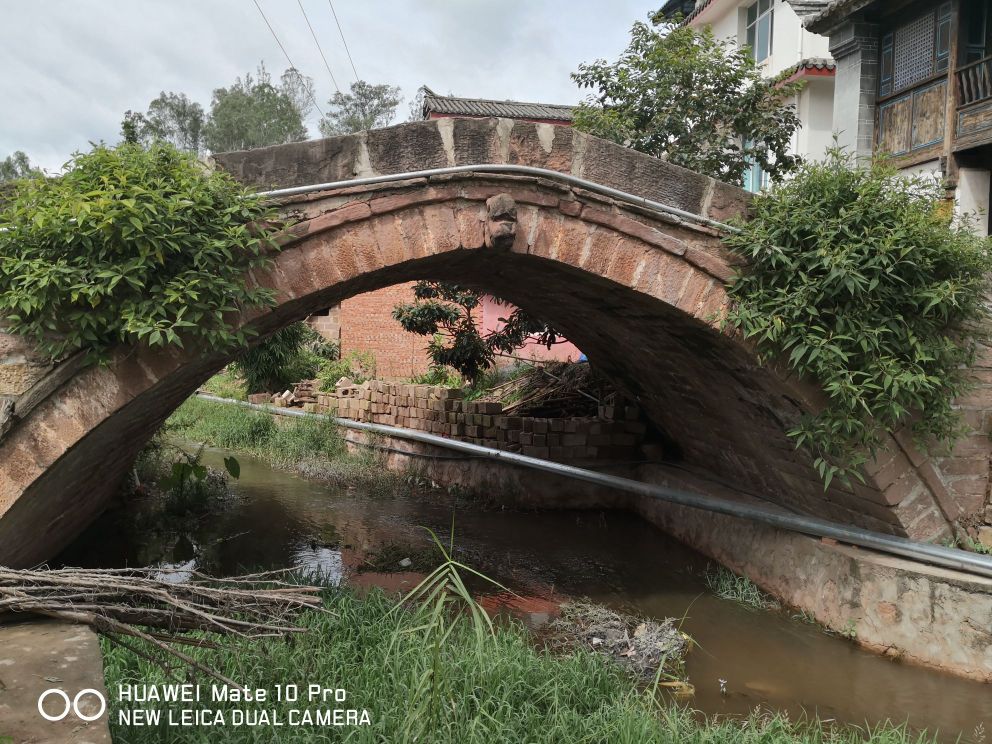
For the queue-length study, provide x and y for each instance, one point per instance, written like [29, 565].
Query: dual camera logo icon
[71, 705]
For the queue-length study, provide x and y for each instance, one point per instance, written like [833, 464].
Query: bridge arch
[640, 292]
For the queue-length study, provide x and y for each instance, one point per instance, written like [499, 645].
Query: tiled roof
[806, 8]
[673, 7]
[458, 106]
[816, 63]
[831, 12]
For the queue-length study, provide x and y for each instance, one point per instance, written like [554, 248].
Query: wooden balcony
[973, 83]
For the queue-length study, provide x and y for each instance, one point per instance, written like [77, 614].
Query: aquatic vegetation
[725, 584]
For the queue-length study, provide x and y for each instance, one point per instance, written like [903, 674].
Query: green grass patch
[225, 384]
[504, 691]
[311, 446]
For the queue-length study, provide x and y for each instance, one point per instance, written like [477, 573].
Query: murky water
[767, 658]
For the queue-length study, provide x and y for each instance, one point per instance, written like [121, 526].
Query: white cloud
[71, 68]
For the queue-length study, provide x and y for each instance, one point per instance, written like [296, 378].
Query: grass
[725, 584]
[511, 692]
[226, 384]
[311, 446]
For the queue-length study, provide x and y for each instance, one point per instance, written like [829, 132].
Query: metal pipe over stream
[937, 555]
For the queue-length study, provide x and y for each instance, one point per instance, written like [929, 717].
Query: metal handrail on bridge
[937, 555]
[506, 168]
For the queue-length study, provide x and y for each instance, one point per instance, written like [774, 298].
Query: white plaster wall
[815, 109]
[971, 198]
[791, 43]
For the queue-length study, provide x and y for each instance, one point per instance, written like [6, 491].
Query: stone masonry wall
[616, 434]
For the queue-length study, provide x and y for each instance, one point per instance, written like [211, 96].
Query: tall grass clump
[504, 690]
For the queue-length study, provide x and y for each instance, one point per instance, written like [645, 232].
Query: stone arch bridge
[639, 291]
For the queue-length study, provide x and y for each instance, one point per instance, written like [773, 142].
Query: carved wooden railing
[975, 82]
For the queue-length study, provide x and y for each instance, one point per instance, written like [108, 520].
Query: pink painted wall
[492, 312]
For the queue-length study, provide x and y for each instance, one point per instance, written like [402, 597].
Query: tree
[366, 107]
[680, 94]
[280, 360]
[171, 118]
[255, 113]
[16, 166]
[299, 89]
[444, 312]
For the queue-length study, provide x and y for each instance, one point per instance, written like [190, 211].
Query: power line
[347, 51]
[298, 2]
[285, 53]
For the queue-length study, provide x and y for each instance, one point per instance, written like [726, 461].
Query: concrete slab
[36, 656]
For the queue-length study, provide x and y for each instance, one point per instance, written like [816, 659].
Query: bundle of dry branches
[554, 389]
[144, 604]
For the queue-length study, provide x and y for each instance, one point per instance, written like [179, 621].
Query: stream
[767, 658]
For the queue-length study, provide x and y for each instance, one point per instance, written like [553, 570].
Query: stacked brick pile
[615, 434]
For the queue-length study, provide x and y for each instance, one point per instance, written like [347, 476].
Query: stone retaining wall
[615, 434]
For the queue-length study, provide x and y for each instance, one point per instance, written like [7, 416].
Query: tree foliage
[254, 112]
[680, 94]
[856, 278]
[286, 357]
[366, 107]
[445, 312]
[130, 246]
[172, 118]
[15, 166]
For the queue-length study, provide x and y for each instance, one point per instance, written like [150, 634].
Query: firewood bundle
[152, 606]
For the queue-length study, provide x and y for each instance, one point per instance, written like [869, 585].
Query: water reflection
[276, 520]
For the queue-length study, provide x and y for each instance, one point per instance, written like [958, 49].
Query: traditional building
[773, 31]
[914, 80]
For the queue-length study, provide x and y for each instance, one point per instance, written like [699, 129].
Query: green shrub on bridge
[857, 278]
[130, 246]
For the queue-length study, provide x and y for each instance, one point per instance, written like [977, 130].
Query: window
[755, 177]
[915, 51]
[759, 29]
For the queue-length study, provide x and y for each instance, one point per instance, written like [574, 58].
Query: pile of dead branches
[159, 606]
[554, 389]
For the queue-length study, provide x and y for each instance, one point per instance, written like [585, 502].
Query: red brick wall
[367, 324]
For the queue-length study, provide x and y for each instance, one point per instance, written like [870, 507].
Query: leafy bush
[280, 360]
[130, 246]
[358, 366]
[438, 376]
[857, 279]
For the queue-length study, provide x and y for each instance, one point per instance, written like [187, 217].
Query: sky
[69, 69]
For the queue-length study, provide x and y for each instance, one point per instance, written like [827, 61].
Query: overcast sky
[69, 69]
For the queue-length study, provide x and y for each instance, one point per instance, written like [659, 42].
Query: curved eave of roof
[832, 13]
[458, 106]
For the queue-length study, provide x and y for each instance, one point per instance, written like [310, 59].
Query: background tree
[366, 107]
[255, 113]
[17, 165]
[172, 118]
[680, 94]
[445, 312]
[299, 89]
